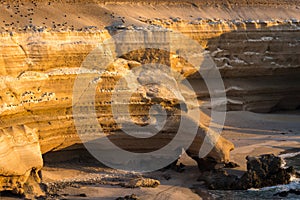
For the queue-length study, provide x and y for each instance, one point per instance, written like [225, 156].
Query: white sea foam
[294, 184]
[289, 155]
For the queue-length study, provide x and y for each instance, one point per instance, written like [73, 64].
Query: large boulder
[262, 171]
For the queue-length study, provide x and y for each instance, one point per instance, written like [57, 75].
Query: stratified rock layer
[20, 157]
[37, 92]
[258, 60]
[41, 58]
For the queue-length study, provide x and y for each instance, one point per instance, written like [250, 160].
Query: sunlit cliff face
[258, 60]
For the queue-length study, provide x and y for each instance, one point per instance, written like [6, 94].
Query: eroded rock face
[38, 66]
[257, 60]
[38, 93]
[20, 157]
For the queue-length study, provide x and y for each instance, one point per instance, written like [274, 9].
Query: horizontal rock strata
[41, 56]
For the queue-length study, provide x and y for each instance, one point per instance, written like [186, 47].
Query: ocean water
[291, 159]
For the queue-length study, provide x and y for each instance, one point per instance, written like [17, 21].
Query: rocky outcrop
[21, 157]
[262, 171]
[266, 170]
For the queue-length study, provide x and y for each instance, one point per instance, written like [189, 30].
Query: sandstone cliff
[43, 45]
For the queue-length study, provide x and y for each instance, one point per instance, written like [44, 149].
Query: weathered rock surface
[262, 171]
[37, 93]
[20, 157]
[266, 171]
[258, 60]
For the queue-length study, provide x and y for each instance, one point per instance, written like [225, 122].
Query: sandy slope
[61, 15]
